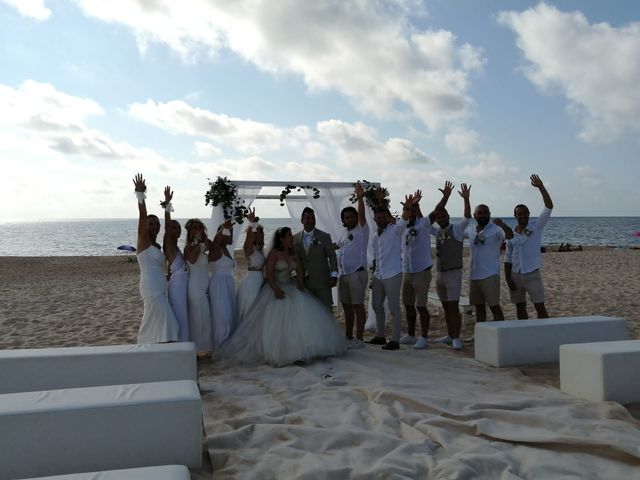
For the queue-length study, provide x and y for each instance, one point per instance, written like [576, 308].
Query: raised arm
[216, 244]
[248, 240]
[143, 242]
[169, 244]
[359, 191]
[508, 233]
[446, 193]
[407, 205]
[465, 193]
[546, 198]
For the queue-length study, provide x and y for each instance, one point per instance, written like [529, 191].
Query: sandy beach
[257, 418]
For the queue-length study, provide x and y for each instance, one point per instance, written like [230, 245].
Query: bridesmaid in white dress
[222, 292]
[197, 291]
[254, 279]
[158, 321]
[178, 271]
[286, 324]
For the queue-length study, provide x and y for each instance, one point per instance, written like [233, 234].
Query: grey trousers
[388, 288]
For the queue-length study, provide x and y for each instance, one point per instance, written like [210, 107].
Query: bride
[285, 324]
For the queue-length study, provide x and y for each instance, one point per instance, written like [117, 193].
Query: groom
[315, 249]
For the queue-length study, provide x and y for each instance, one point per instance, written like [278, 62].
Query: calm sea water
[102, 236]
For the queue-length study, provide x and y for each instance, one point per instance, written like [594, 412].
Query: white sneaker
[408, 340]
[355, 343]
[456, 344]
[446, 339]
[421, 343]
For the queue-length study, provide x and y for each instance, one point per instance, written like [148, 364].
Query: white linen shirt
[387, 250]
[485, 251]
[416, 246]
[352, 253]
[523, 250]
[457, 229]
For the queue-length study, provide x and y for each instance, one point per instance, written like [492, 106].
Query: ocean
[100, 237]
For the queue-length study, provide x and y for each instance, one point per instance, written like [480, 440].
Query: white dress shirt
[387, 252]
[457, 229]
[416, 246]
[352, 253]
[523, 250]
[307, 239]
[485, 250]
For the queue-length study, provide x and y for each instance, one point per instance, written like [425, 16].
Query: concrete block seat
[525, 342]
[100, 428]
[165, 472]
[32, 370]
[601, 371]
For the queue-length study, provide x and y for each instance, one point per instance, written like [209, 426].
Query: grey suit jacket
[318, 263]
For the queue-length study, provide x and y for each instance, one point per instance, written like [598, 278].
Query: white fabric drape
[246, 195]
[327, 208]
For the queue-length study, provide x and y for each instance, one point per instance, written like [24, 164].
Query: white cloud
[367, 50]
[204, 149]
[587, 175]
[490, 167]
[246, 136]
[462, 141]
[594, 65]
[30, 8]
[357, 143]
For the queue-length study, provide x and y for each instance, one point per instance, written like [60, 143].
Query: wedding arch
[326, 199]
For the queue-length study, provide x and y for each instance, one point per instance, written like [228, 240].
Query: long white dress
[282, 331]
[158, 321]
[178, 285]
[198, 303]
[222, 299]
[250, 284]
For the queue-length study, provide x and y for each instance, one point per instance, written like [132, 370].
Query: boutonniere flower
[316, 242]
[350, 237]
[412, 232]
[479, 239]
[527, 232]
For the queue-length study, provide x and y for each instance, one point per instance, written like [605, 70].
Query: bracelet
[167, 206]
[226, 232]
[141, 196]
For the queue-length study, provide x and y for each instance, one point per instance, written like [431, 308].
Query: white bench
[100, 428]
[54, 368]
[522, 342]
[166, 472]
[601, 371]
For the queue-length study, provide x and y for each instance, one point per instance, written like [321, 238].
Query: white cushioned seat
[100, 428]
[601, 371]
[32, 370]
[523, 342]
[165, 472]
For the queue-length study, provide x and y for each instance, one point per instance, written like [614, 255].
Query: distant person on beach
[485, 240]
[287, 324]
[178, 270]
[254, 253]
[449, 237]
[315, 249]
[158, 323]
[523, 261]
[416, 268]
[222, 290]
[353, 264]
[200, 331]
[387, 270]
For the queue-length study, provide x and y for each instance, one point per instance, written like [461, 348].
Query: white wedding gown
[158, 321]
[282, 331]
[198, 303]
[178, 285]
[222, 299]
[250, 284]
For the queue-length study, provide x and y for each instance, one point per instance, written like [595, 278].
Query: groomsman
[523, 261]
[416, 268]
[318, 257]
[449, 266]
[387, 273]
[485, 241]
[352, 260]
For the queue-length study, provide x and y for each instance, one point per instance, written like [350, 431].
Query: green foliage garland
[371, 195]
[289, 188]
[223, 192]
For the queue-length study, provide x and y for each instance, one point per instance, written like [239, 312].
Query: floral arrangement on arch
[373, 196]
[289, 188]
[223, 192]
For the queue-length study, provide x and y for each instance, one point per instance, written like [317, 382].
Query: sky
[404, 92]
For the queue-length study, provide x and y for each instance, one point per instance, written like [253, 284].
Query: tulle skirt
[248, 291]
[282, 331]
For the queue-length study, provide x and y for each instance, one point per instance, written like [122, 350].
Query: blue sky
[403, 92]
